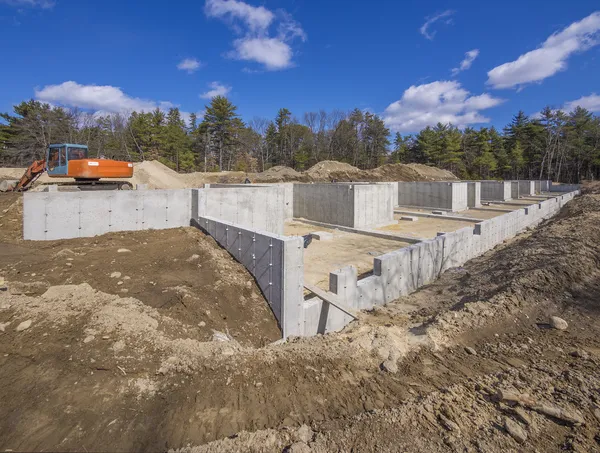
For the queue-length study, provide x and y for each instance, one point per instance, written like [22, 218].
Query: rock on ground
[24, 326]
[515, 430]
[558, 323]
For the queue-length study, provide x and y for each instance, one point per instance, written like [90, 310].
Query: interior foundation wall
[255, 207]
[450, 196]
[496, 190]
[514, 190]
[473, 194]
[527, 188]
[288, 193]
[345, 204]
[564, 187]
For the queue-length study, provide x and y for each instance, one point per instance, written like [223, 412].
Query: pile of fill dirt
[156, 175]
[279, 173]
[410, 172]
[329, 170]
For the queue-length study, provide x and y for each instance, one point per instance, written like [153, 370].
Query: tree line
[554, 144]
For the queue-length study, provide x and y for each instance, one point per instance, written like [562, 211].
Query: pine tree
[219, 120]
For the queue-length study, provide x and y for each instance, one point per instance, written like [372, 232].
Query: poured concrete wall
[288, 193]
[496, 190]
[514, 190]
[67, 215]
[527, 188]
[451, 196]
[345, 204]
[276, 262]
[473, 194]
[564, 187]
[403, 271]
[545, 185]
[373, 205]
[255, 207]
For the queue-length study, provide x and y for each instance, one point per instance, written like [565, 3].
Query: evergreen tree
[219, 121]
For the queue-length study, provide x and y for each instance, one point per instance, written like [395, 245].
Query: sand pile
[156, 175]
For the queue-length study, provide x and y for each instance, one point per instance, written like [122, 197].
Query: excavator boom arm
[35, 170]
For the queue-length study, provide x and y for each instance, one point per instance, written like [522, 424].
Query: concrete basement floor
[425, 227]
[344, 249]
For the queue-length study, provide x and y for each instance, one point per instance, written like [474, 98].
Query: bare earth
[97, 371]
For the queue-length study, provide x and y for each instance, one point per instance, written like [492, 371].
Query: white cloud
[467, 61]
[190, 65]
[429, 21]
[551, 57]
[591, 103]
[94, 97]
[257, 44]
[256, 18]
[216, 89]
[271, 52]
[437, 102]
[44, 4]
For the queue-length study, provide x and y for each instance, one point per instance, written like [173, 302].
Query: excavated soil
[181, 272]
[469, 363]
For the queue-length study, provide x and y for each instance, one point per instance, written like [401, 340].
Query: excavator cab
[58, 157]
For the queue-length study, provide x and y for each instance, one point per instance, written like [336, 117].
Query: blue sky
[414, 63]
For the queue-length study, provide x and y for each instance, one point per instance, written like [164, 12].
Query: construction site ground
[469, 363]
[424, 227]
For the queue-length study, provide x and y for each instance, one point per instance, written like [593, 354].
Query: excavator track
[84, 185]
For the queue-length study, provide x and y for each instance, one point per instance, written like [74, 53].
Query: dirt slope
[95, 371]
[181, 272]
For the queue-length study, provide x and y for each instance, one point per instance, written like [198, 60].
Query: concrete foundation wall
[67, 215]
[514, 190]
[403, 271]
[345, 204]
[451, 196]
[545, 185]
[327, 203]
[373, 205]
[255, 207]
[527, 188]
[288, 193]
[276, 262]
[564, 187]
[473, 194]
[496, 190]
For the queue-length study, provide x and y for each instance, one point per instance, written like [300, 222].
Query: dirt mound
[410, 172]
[279, 173]
[590, 187]
[329, 170]
[156, 175]
[181, 272]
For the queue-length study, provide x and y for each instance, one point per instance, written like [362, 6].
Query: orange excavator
[71, 161]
